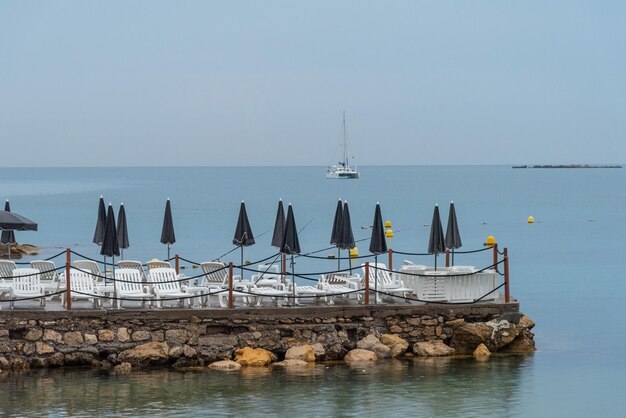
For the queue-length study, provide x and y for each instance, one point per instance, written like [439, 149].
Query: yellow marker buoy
[491, 241]
[354, 252]
[387, 224]
[531, 219]
[389, 233]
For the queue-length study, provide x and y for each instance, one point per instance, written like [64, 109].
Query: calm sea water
[567, 271]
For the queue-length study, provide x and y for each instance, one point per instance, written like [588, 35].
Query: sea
[567, 271]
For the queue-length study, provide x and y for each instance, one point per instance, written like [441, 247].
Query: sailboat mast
[345, 144]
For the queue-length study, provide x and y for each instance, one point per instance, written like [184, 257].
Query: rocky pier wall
[191, 338]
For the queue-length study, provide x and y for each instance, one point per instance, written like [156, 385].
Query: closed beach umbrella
[167, 232]
[436, 240]
[335, 235]
[346, 241]
[98, 235]
[8, 237]
[453, 238]
[110, 246]
[122, 230]
[291, 244]
[279, 225]
[243, 232]
[378, 243]
[279, 228]
[11, 221]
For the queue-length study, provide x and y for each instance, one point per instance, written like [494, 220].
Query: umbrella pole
[338, 258]
[453, 256]
[114, 301]
[376, 280]
[293, 281]
[241, 266]
[436, 261]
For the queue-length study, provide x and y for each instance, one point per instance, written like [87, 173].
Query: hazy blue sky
[265, 82]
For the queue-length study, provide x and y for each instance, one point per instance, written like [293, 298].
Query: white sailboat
[343, 170]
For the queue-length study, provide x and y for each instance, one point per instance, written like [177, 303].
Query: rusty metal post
[177, 264]
[366, 298]
[447, 257]
[68, 290]
[495, 256]
[390, 251]
[230, 285]
[507, 290]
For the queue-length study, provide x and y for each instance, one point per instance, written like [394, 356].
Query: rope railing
[284, 286]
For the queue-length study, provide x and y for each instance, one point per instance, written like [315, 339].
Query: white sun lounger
[165, 285]
[129, 285]
[381, 280]
[82, 287]
[50, 280]
[26, 284]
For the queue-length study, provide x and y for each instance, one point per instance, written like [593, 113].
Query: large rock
[396, 344]
[291, 363]
[523, 343]
[434, 348]
[526, 322]
[360, 355]
[371, 343]
[123, 368]
[255, 357]
[216, 347]
[148, 354]
[481, 352]
[301, 352]
[225, 365]
[494, 334]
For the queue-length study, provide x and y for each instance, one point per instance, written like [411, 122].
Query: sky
[177, 83]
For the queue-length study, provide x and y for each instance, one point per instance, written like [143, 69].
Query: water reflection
[432, 387]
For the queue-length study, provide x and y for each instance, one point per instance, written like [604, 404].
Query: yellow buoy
[531, 219]
[389, 233]
[354, 252]
[491, 241]
[387, 224]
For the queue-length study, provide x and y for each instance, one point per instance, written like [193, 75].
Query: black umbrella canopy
[279, 225]
[336, 233]
[110, 246]
[378, 244]
[346, 241]
[167, 232]
[453, 238]
[7, 237]
[290, 244]
[122, 228]
[15, 222]
[436, 242]
[243, 231]
[98, 235]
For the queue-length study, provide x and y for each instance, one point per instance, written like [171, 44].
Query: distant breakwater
[197, 338]
[568, 166]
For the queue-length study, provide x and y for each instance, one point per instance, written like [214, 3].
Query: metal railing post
[507, 290]
[68, 290]
[390, 251]
[230, 285]
[495, 256]
[177, 264]
[366, 298]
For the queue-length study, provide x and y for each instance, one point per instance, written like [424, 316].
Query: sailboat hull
[339, 172]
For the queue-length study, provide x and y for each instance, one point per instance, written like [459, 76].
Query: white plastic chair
[339, 284]
[91, 267]
[165, 285]
[381, 280]
[131, 264]
[214, 280]
[26, 284]
[6, 276]
[129, 285]
[50, 281]
[82, 288]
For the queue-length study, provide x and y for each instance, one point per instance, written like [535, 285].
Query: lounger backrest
[128, 280]
[88, 265]
[158, 265]
[81, 282]
[164, 280]
[214, 273]
[378, 273]
[130, 264]
[47, 269]
[6, 269]
[336, 278]
[26, 281]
